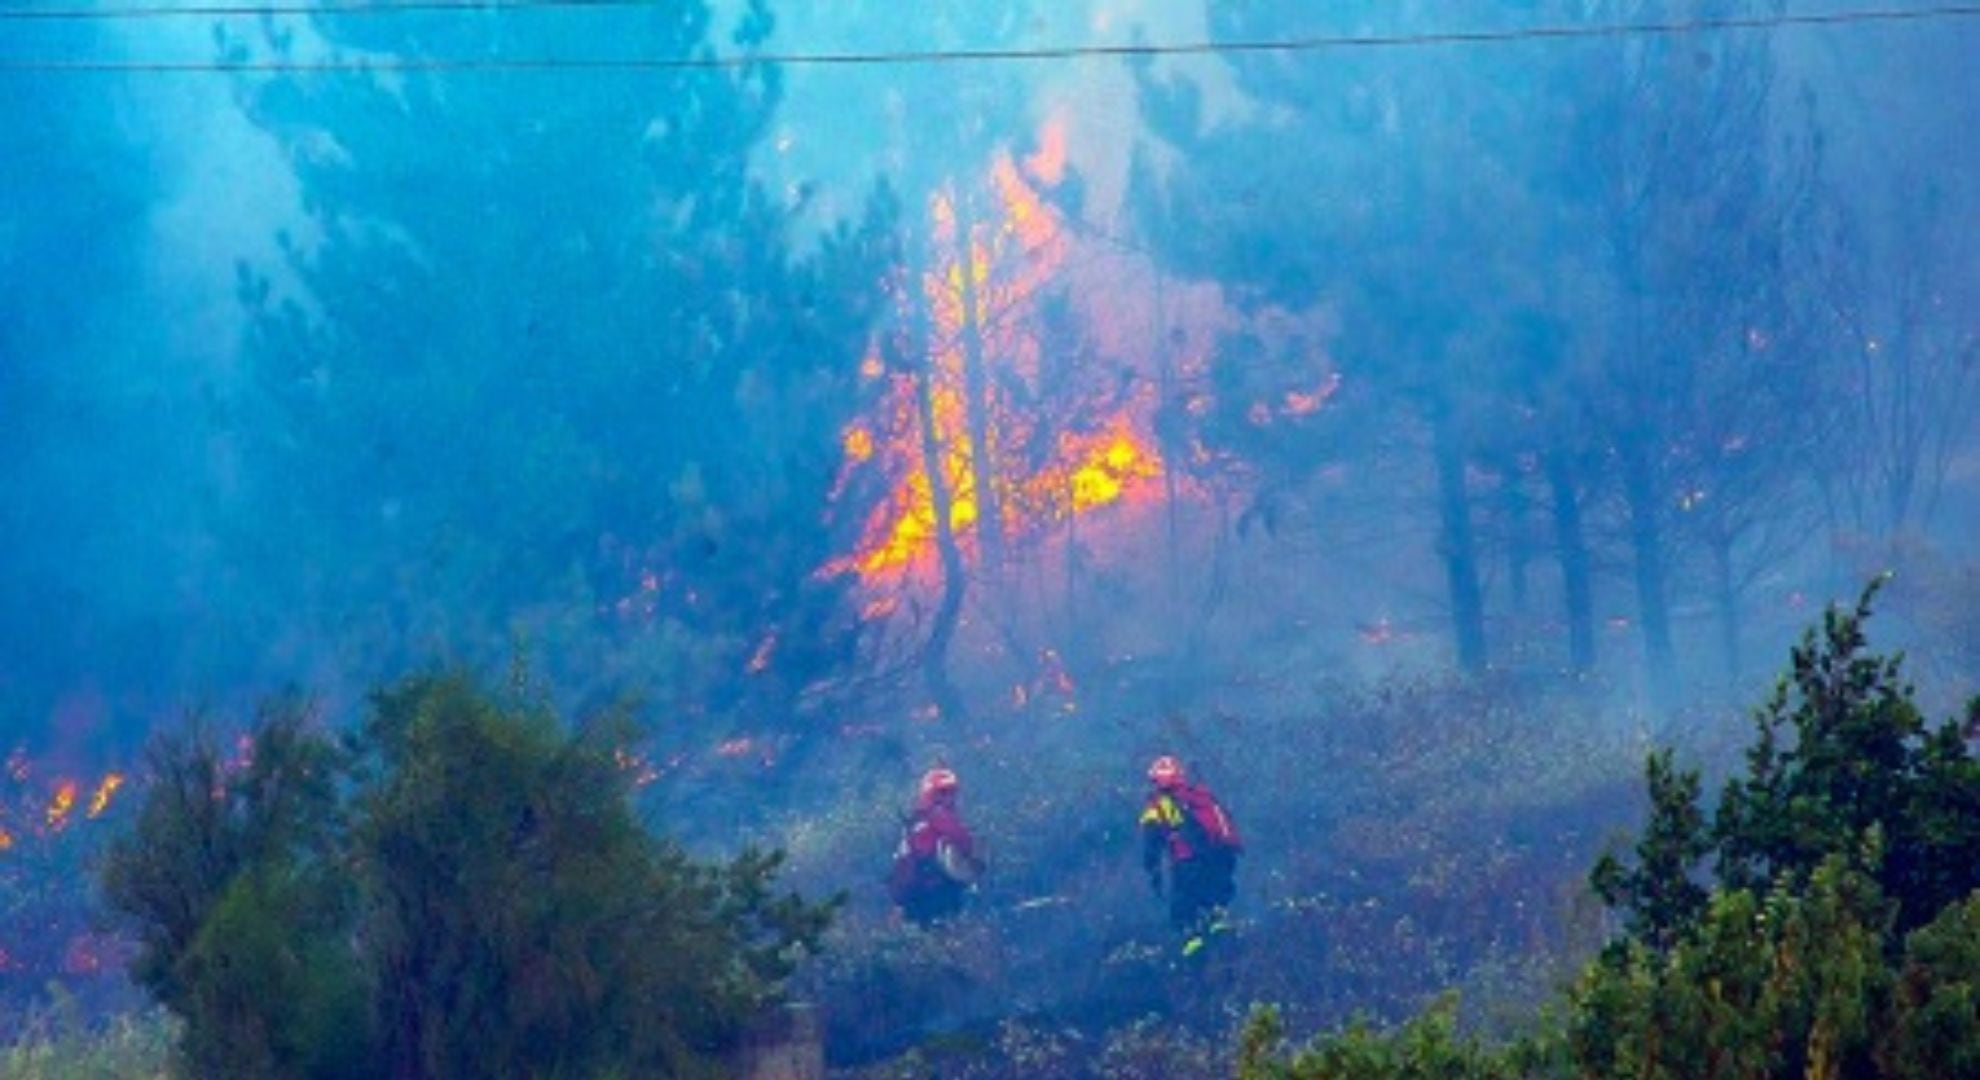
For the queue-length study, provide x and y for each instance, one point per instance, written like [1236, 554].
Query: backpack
[1209, 818]
[945, 867]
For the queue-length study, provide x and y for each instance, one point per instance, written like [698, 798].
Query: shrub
[1427, 1046]
[460, 888]
[55, 1044]
[1785, 984]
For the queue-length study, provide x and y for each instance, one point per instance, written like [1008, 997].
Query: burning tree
[995, 423]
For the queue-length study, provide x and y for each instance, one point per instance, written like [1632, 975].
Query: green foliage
[1659, 893]
[1859, 755]
[1427, 1046]
[1776, 985]
[1841, 751]
[55, 1044]
[525, 921]
[268, 987]
[226, 851]
[462, 889]
[1854, 822]
[1934, 1027]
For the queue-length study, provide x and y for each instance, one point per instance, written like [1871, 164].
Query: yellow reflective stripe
[1163, 811]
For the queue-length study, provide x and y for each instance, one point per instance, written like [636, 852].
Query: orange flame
[1006, 262]
[1048, 164]
[1308, 402]
[6, 839]
[1104, 471]
[759, 661]
[643, 771]
[858, 444]
[63, 802]
[1379, 632]
[82, 957]
[105, 790]
[744, 746]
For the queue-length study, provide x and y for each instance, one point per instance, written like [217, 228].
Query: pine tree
[1661, 894]
[1841, 747]
[549, 363]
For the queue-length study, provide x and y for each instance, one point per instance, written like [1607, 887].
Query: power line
[326, 7]
[1863, 17]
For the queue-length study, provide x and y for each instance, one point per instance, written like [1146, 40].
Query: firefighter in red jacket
[936, 863]
[1185, 827]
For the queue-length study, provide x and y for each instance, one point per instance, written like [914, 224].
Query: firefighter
[1185, 828]
[936, 864]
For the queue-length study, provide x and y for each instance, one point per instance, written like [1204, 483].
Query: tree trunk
[1459, 549]
[976, 393]
[1572, 549]
[935, 658]
[1512, 502]
[1647, 545]
[1213, 596]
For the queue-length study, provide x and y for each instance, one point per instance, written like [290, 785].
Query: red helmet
[1166, 772]
[936, 781]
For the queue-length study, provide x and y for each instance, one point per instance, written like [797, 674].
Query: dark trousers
[932, 902]
[1200, 886]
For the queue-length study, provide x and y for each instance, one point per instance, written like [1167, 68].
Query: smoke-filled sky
[1339, 359]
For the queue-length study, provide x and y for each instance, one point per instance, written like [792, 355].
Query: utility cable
[1563, 32]
[326, 7]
